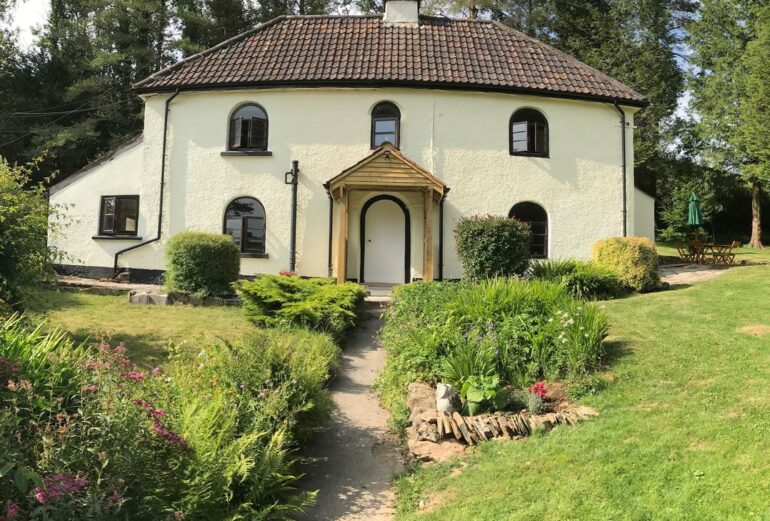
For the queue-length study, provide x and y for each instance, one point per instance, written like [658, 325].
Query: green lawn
[684, 430]
[749, 255]
[146, 330]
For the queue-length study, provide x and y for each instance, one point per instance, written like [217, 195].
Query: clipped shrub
[582, 280]
[492, 246]
[316, 304]
[633, 260]
[205, 264]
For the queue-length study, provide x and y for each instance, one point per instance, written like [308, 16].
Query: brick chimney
[402, 12]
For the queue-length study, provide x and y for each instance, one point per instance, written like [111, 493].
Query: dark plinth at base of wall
[137, 275]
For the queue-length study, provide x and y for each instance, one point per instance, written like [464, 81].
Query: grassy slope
[146, 330]
[683, 431]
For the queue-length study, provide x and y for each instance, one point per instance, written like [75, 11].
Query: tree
[728, 83]
[25, 257]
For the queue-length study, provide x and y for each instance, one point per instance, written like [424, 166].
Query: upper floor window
[386, 123]
[528, 133]
[119, 215]
[248, 128]
[245, 223]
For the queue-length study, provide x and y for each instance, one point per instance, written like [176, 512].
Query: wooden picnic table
[703, 253]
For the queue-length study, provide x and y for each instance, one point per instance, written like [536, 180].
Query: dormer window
[386, 124]
[528, 133]
[248, 129]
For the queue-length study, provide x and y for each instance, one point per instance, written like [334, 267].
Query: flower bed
[85, 434]
[488, 339]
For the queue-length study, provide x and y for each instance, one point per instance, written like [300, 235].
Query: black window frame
[117, 217]
[533, 120]
[394, 116]
[242, 244]
[247, 131]
[545, 235]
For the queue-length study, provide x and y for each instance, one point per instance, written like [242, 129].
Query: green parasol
[694, 217]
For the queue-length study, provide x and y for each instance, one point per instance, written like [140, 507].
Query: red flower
[539, 389]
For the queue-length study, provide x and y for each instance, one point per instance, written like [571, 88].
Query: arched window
[245, 223]
[534, 215]
[386, 124]
[248, 128]
[528, 133]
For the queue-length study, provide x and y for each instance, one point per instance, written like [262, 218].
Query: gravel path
[687, 274]
[356, 458]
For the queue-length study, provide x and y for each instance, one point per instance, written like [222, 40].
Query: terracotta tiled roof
[363, 50]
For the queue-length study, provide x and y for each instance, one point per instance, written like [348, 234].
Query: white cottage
[351, 145]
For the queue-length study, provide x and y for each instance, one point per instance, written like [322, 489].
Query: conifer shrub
[204, 264]
[492, 246]
[316, 304]
[633, 260]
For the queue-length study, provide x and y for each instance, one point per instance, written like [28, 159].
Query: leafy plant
[26, 259]
[204, 264]
[483, 394]
[535, 403]
[581, 279]
[492, 246]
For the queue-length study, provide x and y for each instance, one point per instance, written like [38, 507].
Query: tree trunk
[756, 217]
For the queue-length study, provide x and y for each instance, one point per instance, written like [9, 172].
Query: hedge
[492, 246]
[206, 264]
[633, 260]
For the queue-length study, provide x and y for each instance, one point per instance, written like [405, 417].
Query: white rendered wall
[462, 137]
[644, 215]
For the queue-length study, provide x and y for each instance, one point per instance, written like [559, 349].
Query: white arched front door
[384, 236]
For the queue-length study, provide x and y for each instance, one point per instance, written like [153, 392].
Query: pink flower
[11, 385]
[179, 515]
[539, 389]
[12, 510]
[115, 498]
[121, 348]
[135, 376]
[155, 371]
[41, 495]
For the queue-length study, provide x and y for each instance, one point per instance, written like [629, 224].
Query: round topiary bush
[634, 260]
[492, 246]
[203, 263]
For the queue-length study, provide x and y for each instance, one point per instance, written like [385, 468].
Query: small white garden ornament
[446, 399]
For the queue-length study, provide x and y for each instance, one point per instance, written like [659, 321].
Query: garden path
[689, 273]
[355, 458]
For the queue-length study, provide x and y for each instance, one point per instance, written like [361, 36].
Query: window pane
[258, 139]
[255, 235]
[379, 139]
[385, 125]
[540, 139]
[127, 213]
[233, 228]
[519, 136]
[108, 215]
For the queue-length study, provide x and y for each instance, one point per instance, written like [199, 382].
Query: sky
[27, 15]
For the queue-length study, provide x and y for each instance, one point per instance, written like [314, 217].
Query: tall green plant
[492, 246]
[26, 259]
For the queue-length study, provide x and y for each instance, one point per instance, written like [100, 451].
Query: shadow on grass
[614, 350]
[142, 349]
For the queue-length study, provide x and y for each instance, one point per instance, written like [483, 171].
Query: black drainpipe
[441, 234]
[623, 148]
[292, 178]
[331, 229]
[162, 185]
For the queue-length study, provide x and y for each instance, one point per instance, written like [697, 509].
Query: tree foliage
[25, 258]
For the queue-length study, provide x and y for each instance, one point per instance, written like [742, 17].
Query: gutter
[622, 114]
[441, 234]
[331, 228]
[162, 185]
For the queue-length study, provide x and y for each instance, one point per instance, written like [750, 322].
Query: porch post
[342, 238]
[428, 237]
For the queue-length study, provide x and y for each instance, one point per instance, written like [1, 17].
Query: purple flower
[135, 376]
[491, 325]
[12, 510]
[115, 498]
[41, 496]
